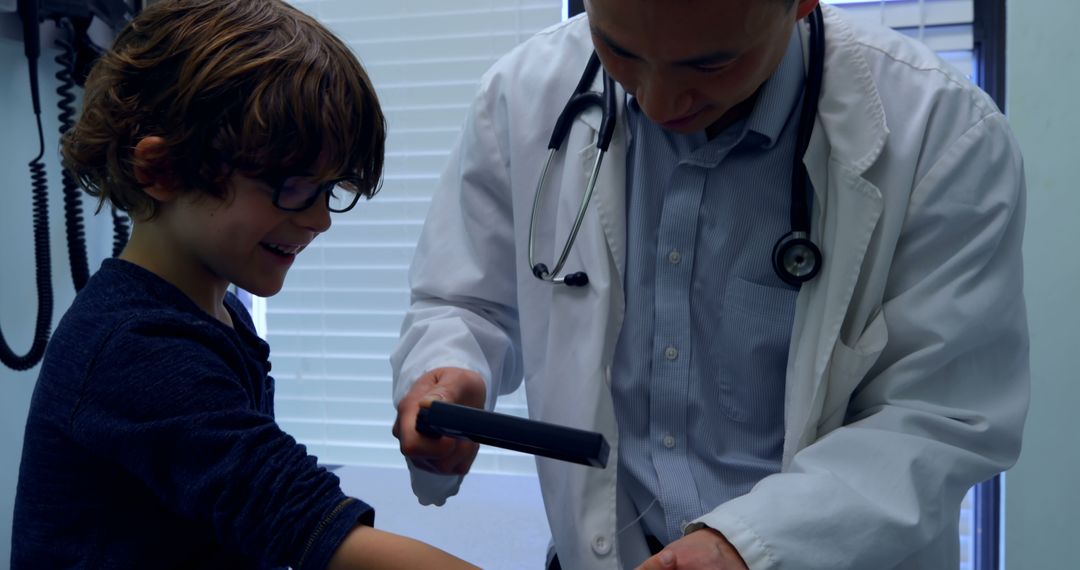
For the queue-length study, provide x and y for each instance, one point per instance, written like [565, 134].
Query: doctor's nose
[662, 101]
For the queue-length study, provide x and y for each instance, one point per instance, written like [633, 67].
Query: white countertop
[496, 521]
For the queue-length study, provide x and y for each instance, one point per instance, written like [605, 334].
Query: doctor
[834, 419]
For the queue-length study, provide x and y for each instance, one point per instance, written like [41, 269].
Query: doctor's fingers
[409, 406]
[456, 385]
[699, 550]
[458, 462]
[437, 454]
[420, 395]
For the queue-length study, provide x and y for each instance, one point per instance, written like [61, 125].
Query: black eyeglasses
[298, 193]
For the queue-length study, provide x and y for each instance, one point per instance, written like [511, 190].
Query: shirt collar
[779, 98]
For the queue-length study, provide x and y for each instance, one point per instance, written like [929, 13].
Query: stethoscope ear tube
[581, 99]
[577, 104]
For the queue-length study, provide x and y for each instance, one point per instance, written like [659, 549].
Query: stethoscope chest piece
[796, 259]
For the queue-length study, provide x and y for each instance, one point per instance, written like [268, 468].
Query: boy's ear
[152, 169]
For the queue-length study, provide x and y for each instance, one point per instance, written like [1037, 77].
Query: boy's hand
[444, 455]
[701, 549]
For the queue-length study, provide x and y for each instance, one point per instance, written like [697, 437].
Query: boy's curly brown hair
[250, 85]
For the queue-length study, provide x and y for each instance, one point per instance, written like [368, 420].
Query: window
[945, 25]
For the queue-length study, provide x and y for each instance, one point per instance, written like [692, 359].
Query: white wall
[1042, 497]
[18, 297]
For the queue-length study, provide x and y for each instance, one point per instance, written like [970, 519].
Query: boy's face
[243, 239]
[690, 62]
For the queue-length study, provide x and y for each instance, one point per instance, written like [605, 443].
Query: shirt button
[683, 524]
[669, 441]
[671, 353]
[674, 257]
[600, 545]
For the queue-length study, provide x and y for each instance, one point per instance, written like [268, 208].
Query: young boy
[229, 130]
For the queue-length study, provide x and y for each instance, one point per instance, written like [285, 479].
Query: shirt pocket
[756, 332]
[848, 367]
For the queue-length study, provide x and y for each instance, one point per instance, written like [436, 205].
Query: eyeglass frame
[325, 189]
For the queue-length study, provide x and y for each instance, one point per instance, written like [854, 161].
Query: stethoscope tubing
[540, 270]
[580, 100]
[800, 215]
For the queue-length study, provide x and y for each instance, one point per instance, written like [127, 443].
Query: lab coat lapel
[849, 222]
[609, 198]
[609, 205]
[848, 138]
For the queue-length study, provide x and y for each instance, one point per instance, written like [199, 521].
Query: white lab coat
[907, 377]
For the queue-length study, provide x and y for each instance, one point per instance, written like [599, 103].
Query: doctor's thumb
[430, 397]
[665, 560]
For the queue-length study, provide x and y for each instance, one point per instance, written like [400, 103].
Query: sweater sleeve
[171, 404]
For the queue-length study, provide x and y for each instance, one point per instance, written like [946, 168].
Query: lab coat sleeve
[463, 311]
[941, 409]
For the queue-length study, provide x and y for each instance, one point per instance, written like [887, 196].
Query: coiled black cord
[72, 198]
[121, 231]
[43, 263]
[73, 214]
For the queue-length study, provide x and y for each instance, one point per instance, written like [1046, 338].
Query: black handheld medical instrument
[511, 432]
[795, 258]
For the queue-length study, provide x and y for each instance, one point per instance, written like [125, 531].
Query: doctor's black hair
[254, 86]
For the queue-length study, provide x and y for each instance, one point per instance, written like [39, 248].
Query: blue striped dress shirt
[698, 376]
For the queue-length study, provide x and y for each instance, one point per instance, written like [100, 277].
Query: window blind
[334, 324]
[944, 25]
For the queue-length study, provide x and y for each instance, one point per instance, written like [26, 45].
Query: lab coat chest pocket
[848, 368]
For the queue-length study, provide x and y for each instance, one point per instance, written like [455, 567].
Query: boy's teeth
[283, 250]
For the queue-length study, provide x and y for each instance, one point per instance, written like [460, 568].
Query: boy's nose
[316, 218]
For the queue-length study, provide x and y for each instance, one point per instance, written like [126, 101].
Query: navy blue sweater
[151, 443]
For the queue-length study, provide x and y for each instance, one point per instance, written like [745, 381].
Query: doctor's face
[691, 63]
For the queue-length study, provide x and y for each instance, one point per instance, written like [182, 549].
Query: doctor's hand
[443, 455]
[701, 549]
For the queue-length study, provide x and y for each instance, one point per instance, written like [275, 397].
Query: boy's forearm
[369, 548]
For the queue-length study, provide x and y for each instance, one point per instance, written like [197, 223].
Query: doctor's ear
[152, 169]
[805, 7]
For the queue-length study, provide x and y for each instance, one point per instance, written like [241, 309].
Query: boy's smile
[284, 250]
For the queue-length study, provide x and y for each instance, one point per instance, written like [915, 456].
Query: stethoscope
[795, 258]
